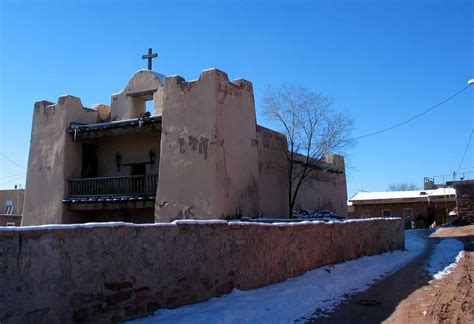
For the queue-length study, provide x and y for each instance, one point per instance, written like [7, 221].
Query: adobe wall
[103, 272]
[326, 189]
[54, 158]
[273, 173]
[133, 148]
[209, 156]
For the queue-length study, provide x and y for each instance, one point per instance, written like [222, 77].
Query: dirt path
[410, 296]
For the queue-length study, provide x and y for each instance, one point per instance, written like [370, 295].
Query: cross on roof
[150, 56]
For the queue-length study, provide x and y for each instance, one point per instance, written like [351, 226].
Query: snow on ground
[324, 215]
[445, 257]
[317, 291]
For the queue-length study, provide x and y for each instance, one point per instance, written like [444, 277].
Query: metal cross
[150, 56]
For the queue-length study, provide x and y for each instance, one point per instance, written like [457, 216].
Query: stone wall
[465, 200]
[117, 271]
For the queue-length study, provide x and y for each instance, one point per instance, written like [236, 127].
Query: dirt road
[411, 296]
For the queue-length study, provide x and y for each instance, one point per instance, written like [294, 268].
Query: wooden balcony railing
[126, 186]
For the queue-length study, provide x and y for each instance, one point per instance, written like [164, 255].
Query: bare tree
[402, 187]
[313, 130]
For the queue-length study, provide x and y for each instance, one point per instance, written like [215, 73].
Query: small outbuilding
[422, 207]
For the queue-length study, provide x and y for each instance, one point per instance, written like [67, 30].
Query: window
[10, 223]
[149, 107]
[364, 214]
[9, 208]
[386, 213]
[408, 214]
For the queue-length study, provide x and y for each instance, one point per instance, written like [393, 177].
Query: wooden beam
[129, 130]
[142, 93]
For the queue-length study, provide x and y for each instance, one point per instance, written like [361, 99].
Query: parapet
[143, 86]
[67, 106]
[209, 74]
[103, 112]
[335, 159]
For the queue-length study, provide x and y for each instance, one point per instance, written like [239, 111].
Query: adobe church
[198, 155]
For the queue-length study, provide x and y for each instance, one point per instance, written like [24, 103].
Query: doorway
[138, 169]
[89, 161]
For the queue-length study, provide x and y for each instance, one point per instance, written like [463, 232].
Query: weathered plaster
[208, 163]
[53, 159]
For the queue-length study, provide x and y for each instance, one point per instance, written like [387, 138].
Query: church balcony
[143, 124]
[136, 191]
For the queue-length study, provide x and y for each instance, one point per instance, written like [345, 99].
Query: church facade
[199, 154]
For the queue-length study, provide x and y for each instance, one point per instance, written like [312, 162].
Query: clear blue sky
[381, 61]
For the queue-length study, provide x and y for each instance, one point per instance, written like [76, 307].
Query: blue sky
[381, 62]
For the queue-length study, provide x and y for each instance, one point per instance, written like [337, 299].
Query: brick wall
[102, 273]
[7, 219]
[396, 209]
[465, 200]
[17, 197]
[420, 211]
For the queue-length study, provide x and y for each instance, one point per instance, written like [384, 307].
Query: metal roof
[411, 194]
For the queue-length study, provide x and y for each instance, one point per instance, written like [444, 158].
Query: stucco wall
[325, 190]
[273, 173]
[209, 156]
[133, 148]
[113, 273]
[54, 158]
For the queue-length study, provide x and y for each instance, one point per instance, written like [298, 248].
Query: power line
[465, 151]
[6, 157]
[12, 176]
[414, 117]
[10, 181]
